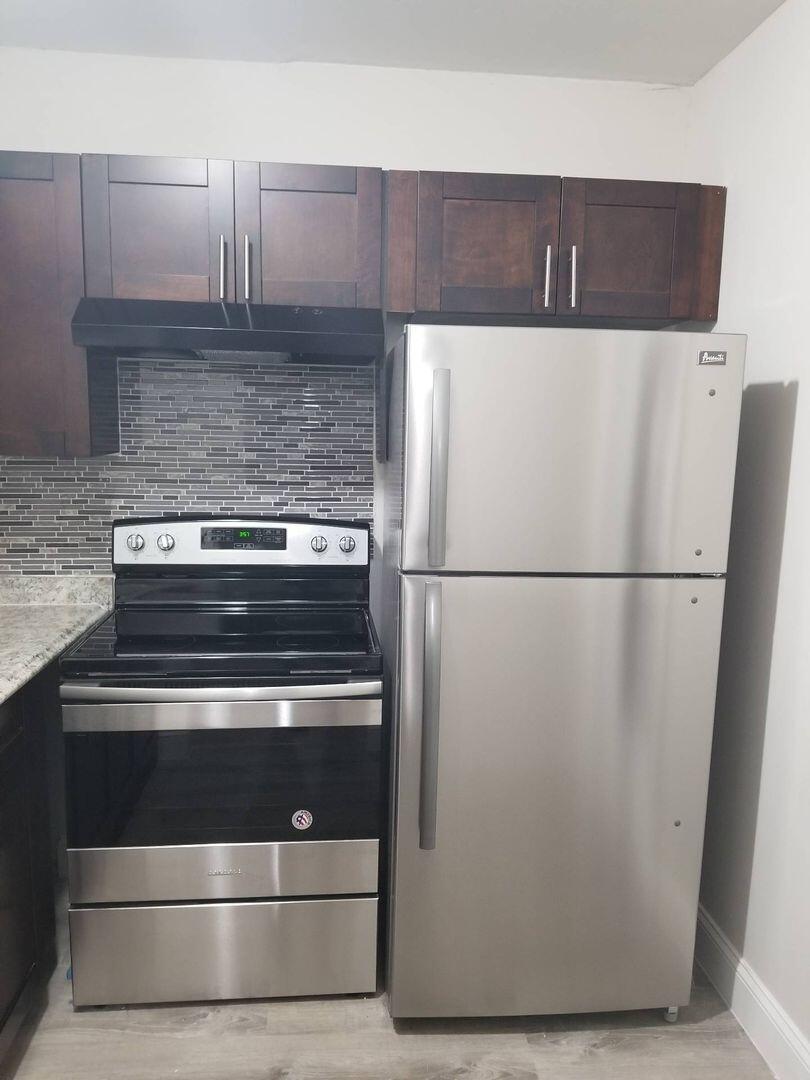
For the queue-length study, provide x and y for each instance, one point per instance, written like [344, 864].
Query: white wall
[749, 130]
[74, 102]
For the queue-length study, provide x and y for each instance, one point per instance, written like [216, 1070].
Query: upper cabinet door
[628, 248]
[43, 376]
[158, 228]
[308, 234]
[487, 242]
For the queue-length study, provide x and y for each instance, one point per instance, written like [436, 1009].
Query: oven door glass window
[137, 789]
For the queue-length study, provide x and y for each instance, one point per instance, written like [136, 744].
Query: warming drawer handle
[439, 454]
[431, 692]
[85, 692]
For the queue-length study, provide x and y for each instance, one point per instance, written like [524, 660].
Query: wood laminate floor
[355, 1039]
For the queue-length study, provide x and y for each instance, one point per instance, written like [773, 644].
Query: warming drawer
[201, 952]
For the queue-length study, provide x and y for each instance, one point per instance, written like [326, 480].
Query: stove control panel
[239, 542]
[243, 538]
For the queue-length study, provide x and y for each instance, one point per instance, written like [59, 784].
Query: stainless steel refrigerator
[556, 508]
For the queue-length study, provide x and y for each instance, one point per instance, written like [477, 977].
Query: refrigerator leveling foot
[671, 1014]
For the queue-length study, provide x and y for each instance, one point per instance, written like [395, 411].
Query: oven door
[211, 793]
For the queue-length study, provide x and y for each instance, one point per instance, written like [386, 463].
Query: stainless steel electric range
[223, 746]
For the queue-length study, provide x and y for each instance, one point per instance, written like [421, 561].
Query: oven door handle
[144, 694]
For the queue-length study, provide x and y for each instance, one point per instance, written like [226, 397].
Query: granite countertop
[40, 617]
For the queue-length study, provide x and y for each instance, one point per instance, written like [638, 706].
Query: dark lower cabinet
[158, 228]
[17, 937]
[308, 234]
[29, 723]
[44, 392]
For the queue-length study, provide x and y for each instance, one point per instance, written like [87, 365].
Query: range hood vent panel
[150, 327]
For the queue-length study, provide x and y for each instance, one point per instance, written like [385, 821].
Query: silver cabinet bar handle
[95, 692]
[431, 693]
[221, 267]
[439, 453]
[247, 267]
[547, 290]
[574, 276]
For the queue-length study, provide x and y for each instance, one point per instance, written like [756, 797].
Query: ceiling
[657, 41]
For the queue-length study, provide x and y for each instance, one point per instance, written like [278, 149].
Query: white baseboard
[785, 1049]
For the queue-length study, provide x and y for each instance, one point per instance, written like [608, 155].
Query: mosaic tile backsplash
[197, 437]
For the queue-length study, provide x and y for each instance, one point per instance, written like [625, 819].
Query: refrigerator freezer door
[569, 451]
[553, 742]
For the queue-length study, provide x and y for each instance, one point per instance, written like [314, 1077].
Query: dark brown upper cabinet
[484, 242]
[639, 249]
[158, 228]
[308, 234]
[43, 376]
[468, 242]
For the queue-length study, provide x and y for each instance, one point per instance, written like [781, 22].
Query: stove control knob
[135, 542]
[319, 544]
[165, 542]
[347, 544]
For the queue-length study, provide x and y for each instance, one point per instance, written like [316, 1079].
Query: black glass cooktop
[273, 641]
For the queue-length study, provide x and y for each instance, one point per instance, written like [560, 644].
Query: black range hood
[159, 327]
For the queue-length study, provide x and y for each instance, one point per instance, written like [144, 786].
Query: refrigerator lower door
[553, 746]
[568, 450]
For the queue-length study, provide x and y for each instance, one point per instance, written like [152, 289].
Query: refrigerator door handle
[439, 451]
[574, 276]
[431, 689]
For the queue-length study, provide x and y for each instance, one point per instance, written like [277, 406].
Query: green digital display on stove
[263, 539]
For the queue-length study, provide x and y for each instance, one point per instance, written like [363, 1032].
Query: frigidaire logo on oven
[227, 872]
[706, 356]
